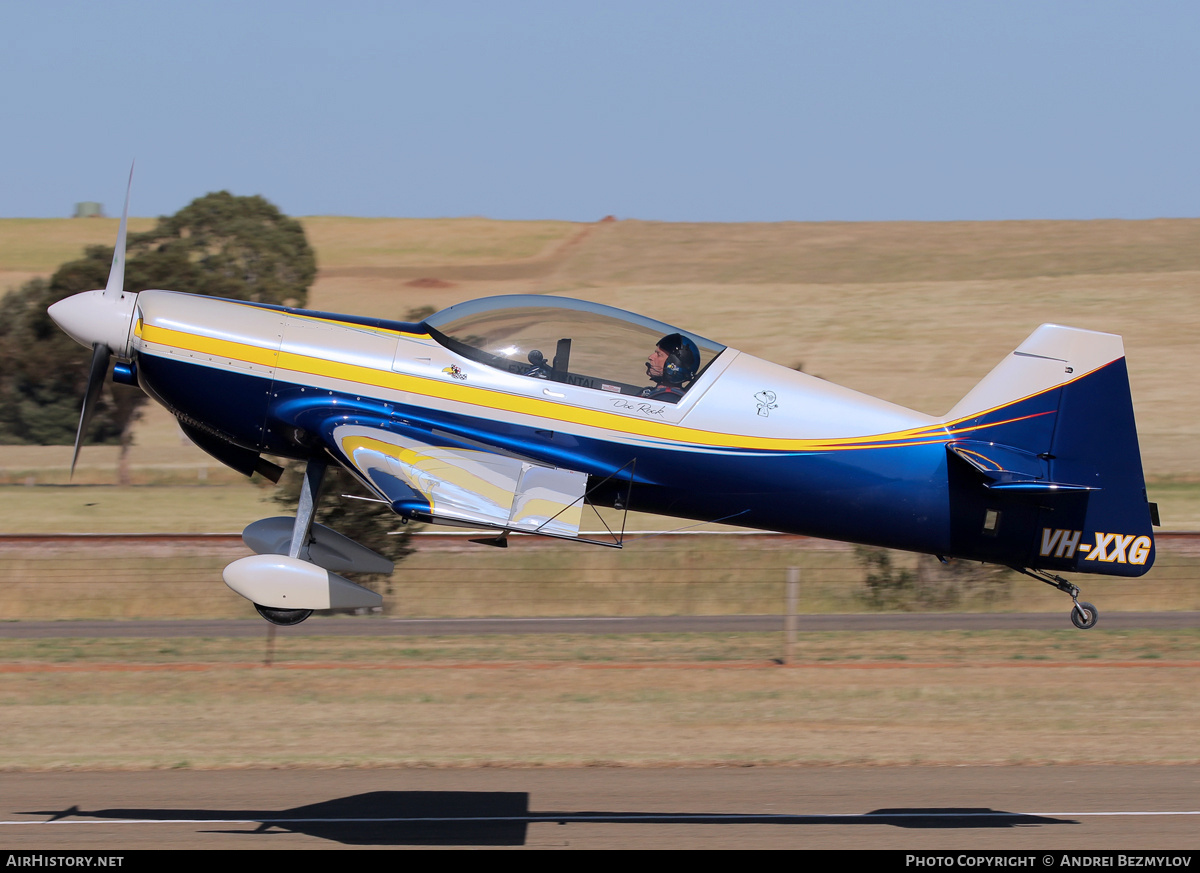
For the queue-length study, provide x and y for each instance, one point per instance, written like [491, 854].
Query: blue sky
[688, 111]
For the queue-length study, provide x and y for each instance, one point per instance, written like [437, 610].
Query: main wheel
[1084, 615]
[283, 617]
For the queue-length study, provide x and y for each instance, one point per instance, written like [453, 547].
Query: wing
[443, 481]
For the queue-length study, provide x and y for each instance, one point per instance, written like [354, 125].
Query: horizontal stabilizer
[1040, 487]
[1005, 468]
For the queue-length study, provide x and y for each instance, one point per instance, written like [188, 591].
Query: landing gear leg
[1083, 614]
[310, 490]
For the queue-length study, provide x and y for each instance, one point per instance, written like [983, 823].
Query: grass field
[915, 313]
[373, 243]
[40, 245]
[692, 700]
[448, 576]
[912, 312]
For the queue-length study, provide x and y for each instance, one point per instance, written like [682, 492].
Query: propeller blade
[99, 369]
[116, 273]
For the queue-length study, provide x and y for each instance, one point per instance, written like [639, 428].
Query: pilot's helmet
[682, 359]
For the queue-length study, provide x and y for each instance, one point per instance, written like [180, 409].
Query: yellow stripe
[436, 468]
[304, 365]
[207, 345]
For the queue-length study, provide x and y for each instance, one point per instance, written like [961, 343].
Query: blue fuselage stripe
[908, 496]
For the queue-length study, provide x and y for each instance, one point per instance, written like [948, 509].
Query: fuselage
[465, 417]
[751, 442]
[513, 413]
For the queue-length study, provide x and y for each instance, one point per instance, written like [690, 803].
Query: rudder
[1051, 434]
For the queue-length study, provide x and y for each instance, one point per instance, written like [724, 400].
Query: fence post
[793, 595]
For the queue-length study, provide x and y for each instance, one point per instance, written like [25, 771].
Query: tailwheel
[283, 617]
[1084, 615]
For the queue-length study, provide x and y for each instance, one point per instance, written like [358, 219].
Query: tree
[43, 374]
[219, 245]
[225, 246]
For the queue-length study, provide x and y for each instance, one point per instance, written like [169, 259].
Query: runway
[378, 626]
[1039, 809]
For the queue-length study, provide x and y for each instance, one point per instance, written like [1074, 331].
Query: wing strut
[621, 503]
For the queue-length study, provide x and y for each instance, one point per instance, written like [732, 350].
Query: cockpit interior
[562, 340]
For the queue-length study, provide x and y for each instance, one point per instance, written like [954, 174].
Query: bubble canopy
[563, 340]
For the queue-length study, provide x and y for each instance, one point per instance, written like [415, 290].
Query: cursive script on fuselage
[649, 409]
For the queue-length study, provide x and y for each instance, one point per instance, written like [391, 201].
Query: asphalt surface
[377, 626]
[1034, 810]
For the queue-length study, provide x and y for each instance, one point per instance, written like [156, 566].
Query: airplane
[513, 413]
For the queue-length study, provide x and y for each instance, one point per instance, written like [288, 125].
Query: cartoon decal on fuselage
[766, 402]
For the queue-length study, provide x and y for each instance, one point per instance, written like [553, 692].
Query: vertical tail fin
[1051, 433]
[1053, 355]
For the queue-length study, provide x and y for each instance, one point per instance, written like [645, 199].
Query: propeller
[101, 353]
[96, 374]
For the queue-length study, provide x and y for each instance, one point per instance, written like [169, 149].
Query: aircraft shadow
[501, 818]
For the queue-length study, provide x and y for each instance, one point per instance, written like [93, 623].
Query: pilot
[671, 366]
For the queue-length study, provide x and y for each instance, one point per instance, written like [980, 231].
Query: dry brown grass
[135, 509]
[449, 577]
[641, 252]
[402, 242]
[532, 701]
[923, 345]
[882, 648]
[915, 313]
[912, 312]
[39, 245]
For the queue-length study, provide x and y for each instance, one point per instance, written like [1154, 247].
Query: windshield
[564, 340]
